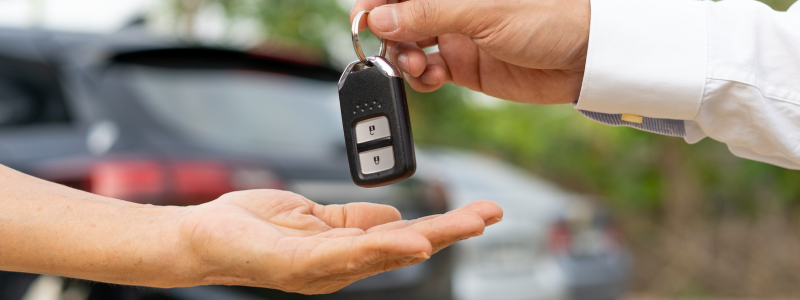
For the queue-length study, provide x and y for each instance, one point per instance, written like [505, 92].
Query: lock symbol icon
[377, 160]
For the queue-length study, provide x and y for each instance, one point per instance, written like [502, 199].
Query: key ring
[357, 43]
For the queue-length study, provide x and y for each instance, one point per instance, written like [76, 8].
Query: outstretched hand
[525, 51]
[280, 240]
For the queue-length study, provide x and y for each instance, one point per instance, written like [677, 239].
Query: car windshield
[244, 111]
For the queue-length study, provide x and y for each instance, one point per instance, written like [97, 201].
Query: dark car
[147, 120]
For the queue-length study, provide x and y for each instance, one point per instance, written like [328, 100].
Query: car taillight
[175, 183]
[199, 182]
[584, 239]
[138, 181]
[560, 239]
[615, 235]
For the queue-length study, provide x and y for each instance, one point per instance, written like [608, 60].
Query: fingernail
[429, 78]
[493, 221]
[423, 255]
[402, 61]
[384, 18]
[476, 235]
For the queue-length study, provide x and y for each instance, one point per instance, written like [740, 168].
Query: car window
[29, 94]
[243, 110]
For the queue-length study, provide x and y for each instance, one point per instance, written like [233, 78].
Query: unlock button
[372, 129]
[378, 160]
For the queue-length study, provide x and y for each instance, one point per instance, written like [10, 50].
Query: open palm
[280, 240]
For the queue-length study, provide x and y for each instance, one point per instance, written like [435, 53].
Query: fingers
[441, 231]
[490, 212]
[424, 72]
[450, 228]
[464, 61]
[425, 23]
[418, 20]
[409, 58]
[400, 224]
[355, 215]
[350, 254]
[433, 77]
[444, 230]
[357, 253]
[367, 5]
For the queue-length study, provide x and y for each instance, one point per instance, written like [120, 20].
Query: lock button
[378, 160]
[372, 129]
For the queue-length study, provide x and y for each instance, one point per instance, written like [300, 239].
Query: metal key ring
[357, 43]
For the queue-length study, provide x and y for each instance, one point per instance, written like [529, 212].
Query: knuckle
[393, 265]
[494, 37]
[358, 263]
[424, 13]
[353, 267]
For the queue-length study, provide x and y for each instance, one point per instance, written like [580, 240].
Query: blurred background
[192, 98]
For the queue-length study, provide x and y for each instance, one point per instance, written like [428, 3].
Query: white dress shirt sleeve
[728, 70]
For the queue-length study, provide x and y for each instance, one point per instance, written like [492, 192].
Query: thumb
[417, 20]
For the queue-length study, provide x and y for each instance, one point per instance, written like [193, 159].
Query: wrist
[201, 257]
[166, 247]
[191, 253]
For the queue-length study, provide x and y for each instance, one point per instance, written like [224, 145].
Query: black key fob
[377, 129]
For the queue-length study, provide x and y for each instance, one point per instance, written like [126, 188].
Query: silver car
[551, 244]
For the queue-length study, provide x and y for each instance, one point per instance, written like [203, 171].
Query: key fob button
[378, 160]
[372, 129]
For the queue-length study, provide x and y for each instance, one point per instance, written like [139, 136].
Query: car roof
[137, 46]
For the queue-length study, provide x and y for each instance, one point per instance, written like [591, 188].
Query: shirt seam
[757, 83]
[702, 97]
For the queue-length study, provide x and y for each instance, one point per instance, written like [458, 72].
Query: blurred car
[147, 120]
[154, 121]
[551, 244]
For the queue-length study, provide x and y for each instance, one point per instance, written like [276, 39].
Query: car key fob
[376, 123]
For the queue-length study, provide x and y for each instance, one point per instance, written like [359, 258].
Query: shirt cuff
[668, 127]
[646, 57]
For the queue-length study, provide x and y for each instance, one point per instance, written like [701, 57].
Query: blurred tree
[298, 23]
[781, 5]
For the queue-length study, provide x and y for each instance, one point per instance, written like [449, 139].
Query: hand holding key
[505, 49]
